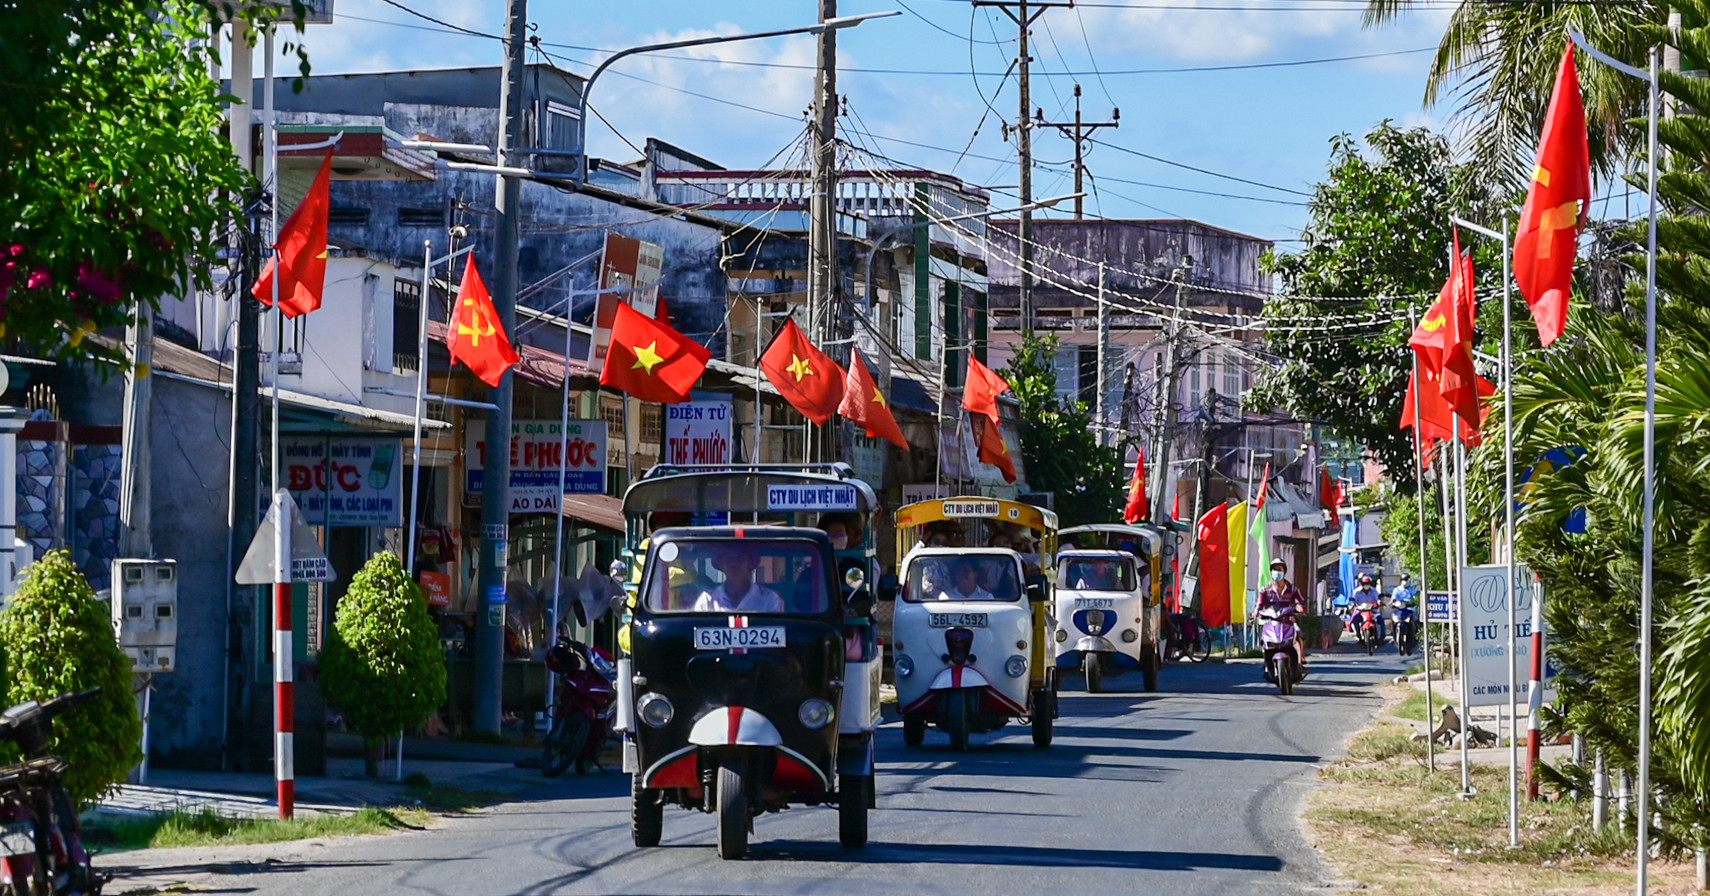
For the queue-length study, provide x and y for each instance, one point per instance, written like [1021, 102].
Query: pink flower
[39, 279]
[101, 286]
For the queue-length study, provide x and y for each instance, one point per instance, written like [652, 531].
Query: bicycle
[1187, 637]
[41, 842]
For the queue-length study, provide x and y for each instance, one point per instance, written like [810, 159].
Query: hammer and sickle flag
[1556, 202]
[474, 334]
[300, 259]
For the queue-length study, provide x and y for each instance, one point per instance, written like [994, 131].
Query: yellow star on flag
[879, 397]
[647, 357]
[799, 366]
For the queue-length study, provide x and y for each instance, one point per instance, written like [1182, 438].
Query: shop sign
[698, 432]
[539, 450]
[344, 481]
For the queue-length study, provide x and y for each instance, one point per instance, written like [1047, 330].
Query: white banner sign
[537, 453]
[1484, 632]
[344, 481]
[697, 432]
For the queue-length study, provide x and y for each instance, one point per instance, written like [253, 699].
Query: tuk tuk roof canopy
[921, 513]
[749, 488]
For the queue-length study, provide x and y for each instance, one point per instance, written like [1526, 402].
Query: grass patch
[1384, 741]
[1412, 706]
[208, 828]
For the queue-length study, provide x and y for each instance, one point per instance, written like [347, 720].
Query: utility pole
[1081, 131]
[1167, 403]
[1103, 353]
[1022, 13]
[822, 208]
[496, 466]
[139, 399]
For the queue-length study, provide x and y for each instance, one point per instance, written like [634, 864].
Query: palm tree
[1496, 64]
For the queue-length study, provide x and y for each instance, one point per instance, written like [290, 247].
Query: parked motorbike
[1406, 627]
[1277, 638]
[583, 707]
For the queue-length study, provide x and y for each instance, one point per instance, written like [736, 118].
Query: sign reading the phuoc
[698, 432]
[538, 451]
[1484, 632]
[344, 481]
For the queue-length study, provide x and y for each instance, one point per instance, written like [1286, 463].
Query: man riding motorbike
[1281, 593]
[1366, 592]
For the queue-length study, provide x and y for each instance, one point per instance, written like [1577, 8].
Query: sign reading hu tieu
[344, 481]
[538, 450]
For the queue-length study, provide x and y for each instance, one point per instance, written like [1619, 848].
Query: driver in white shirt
[966, 583]
[739, 593]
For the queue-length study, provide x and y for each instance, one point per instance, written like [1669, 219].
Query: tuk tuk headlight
[1130, 636]
[1062, 635]
[905, 666]
[1016, 667]
[655, 709]
[815, 713]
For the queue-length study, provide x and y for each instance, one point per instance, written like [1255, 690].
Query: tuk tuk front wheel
[852, 798]
[1044, 712]
[732, 811]
[914, 729]
[1093, 666]
[956, 718]
[646, 815]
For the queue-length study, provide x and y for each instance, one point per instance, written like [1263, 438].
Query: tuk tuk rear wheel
[1093, 667]
[732, 811]
[956, 719]
[1044, 711]
[1151, 663]
[914, 729]
[646, 815]
[852, 799]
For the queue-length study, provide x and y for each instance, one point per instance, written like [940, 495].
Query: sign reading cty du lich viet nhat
[538, 451]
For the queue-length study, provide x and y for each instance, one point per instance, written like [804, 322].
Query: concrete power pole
[1081, 131]
[1100, 403]
[822, 212]
[1167, 406]
[134, 450]
[496, 466]
[1023, 12]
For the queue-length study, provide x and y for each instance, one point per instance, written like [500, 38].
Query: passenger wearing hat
[1280, 592]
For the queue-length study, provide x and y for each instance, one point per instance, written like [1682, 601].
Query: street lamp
[881, 239]
[833, 24]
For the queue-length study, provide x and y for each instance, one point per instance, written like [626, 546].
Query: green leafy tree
[1377, 241]
[58, 638]
[382, 665]
[118, 183]
[1058, 443]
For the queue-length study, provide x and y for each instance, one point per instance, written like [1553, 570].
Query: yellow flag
[1238, 563]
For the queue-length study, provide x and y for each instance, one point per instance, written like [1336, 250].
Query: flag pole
[1424, 580]
[1508, 521]
[558, 522]
[1647, 576]
[421, 390]
[1446, 479]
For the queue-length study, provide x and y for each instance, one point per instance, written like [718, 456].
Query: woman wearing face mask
[1280, 592]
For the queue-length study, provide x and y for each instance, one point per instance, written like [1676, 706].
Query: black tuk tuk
[751, 679]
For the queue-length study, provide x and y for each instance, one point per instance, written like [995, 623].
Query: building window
[406, 315]
[611, 410]
[410, 216]
[561, 127]
[652, 427]
[1087, 372]
[349, 215]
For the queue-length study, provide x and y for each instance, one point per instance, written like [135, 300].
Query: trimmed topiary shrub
[58, 637]
[382, 665]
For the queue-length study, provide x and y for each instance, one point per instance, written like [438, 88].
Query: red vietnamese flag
[1460, 381]
[807, 378]
[983, 388]
[1139, 503]
[301, 247]
[1560, 194]
[1328, 497]
[651, 361]
[474, 334]
[1213, 533]
[1449, 320]
[865, 406]
[994, 450]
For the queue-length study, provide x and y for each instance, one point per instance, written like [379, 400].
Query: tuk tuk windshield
[730, 575]
[964, 577]
[1096, 574]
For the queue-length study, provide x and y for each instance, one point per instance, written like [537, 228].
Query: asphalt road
[1192, 790]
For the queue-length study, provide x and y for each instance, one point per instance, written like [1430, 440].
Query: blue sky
[1270, 124]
